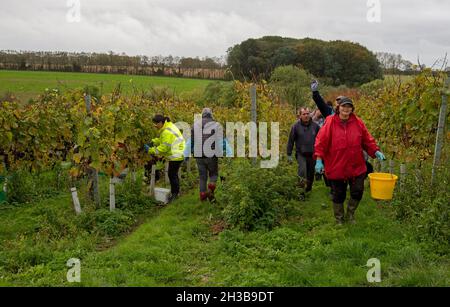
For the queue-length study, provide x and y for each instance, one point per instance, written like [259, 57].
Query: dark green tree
[292, 85]
[335, 62]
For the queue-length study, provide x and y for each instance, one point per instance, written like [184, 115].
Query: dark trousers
[207, 167]
[339, 188]
[174, 166]
[306, 165]
[327, 182]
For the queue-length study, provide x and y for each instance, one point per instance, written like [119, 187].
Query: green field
[27, 84]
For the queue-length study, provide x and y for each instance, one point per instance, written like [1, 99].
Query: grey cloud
[205, 27]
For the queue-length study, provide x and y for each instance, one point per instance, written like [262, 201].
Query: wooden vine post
[153, 180]
[112, 195]
[440, 131]
[253, 111]
[94, 192]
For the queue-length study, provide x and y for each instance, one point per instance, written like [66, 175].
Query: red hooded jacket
[340, 145]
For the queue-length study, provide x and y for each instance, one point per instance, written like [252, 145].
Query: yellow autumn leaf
[77, 158]
[74, 172]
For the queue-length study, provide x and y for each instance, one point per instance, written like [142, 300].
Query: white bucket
[162, 195]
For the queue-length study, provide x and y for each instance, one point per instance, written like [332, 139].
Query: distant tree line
[335, 62]
[395, 64]
[207, 67]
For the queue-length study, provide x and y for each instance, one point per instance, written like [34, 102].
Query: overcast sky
[209, 27]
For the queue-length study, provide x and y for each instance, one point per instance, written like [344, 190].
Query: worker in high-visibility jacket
[170, 145]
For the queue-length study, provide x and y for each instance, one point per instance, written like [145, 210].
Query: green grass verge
[181, 246]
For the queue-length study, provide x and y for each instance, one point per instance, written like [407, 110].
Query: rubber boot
[339, 213]
[211, 189]
[203, 196]
[351, 208]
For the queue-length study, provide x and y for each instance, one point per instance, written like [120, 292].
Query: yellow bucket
[382, 185]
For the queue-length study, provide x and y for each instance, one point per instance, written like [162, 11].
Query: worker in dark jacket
[210, 133]
[303, 134]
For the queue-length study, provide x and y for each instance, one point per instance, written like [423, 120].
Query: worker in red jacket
[339, 146]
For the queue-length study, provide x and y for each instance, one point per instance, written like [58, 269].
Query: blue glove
[315, 86]
[147, 147]
[227, 148]
[290, 159]
[187, 149]
[380, 156]
[319, 167]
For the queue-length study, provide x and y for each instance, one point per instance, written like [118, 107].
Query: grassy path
[180, 246]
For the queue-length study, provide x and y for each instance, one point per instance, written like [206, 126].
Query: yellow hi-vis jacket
[170, 143]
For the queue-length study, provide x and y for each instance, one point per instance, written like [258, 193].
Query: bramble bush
[23, 186]
[255, 198]
[112, 223]
[130, 196]
[427, 207]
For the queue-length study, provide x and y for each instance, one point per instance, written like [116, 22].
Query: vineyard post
[402, 175]
[152, 180]
[112, 195]
[440, 131]
[253, 109]
[391, 166]
[166, 172]
[96, 188]
[382, 166]
[87, 100]
[75, 200]
[94, 194]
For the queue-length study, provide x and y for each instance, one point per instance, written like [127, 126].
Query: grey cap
[345, 101]
[206, 112]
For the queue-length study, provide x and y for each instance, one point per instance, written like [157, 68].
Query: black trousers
[306, 165]
[339, 188]
[174, 166]
[327, 182]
